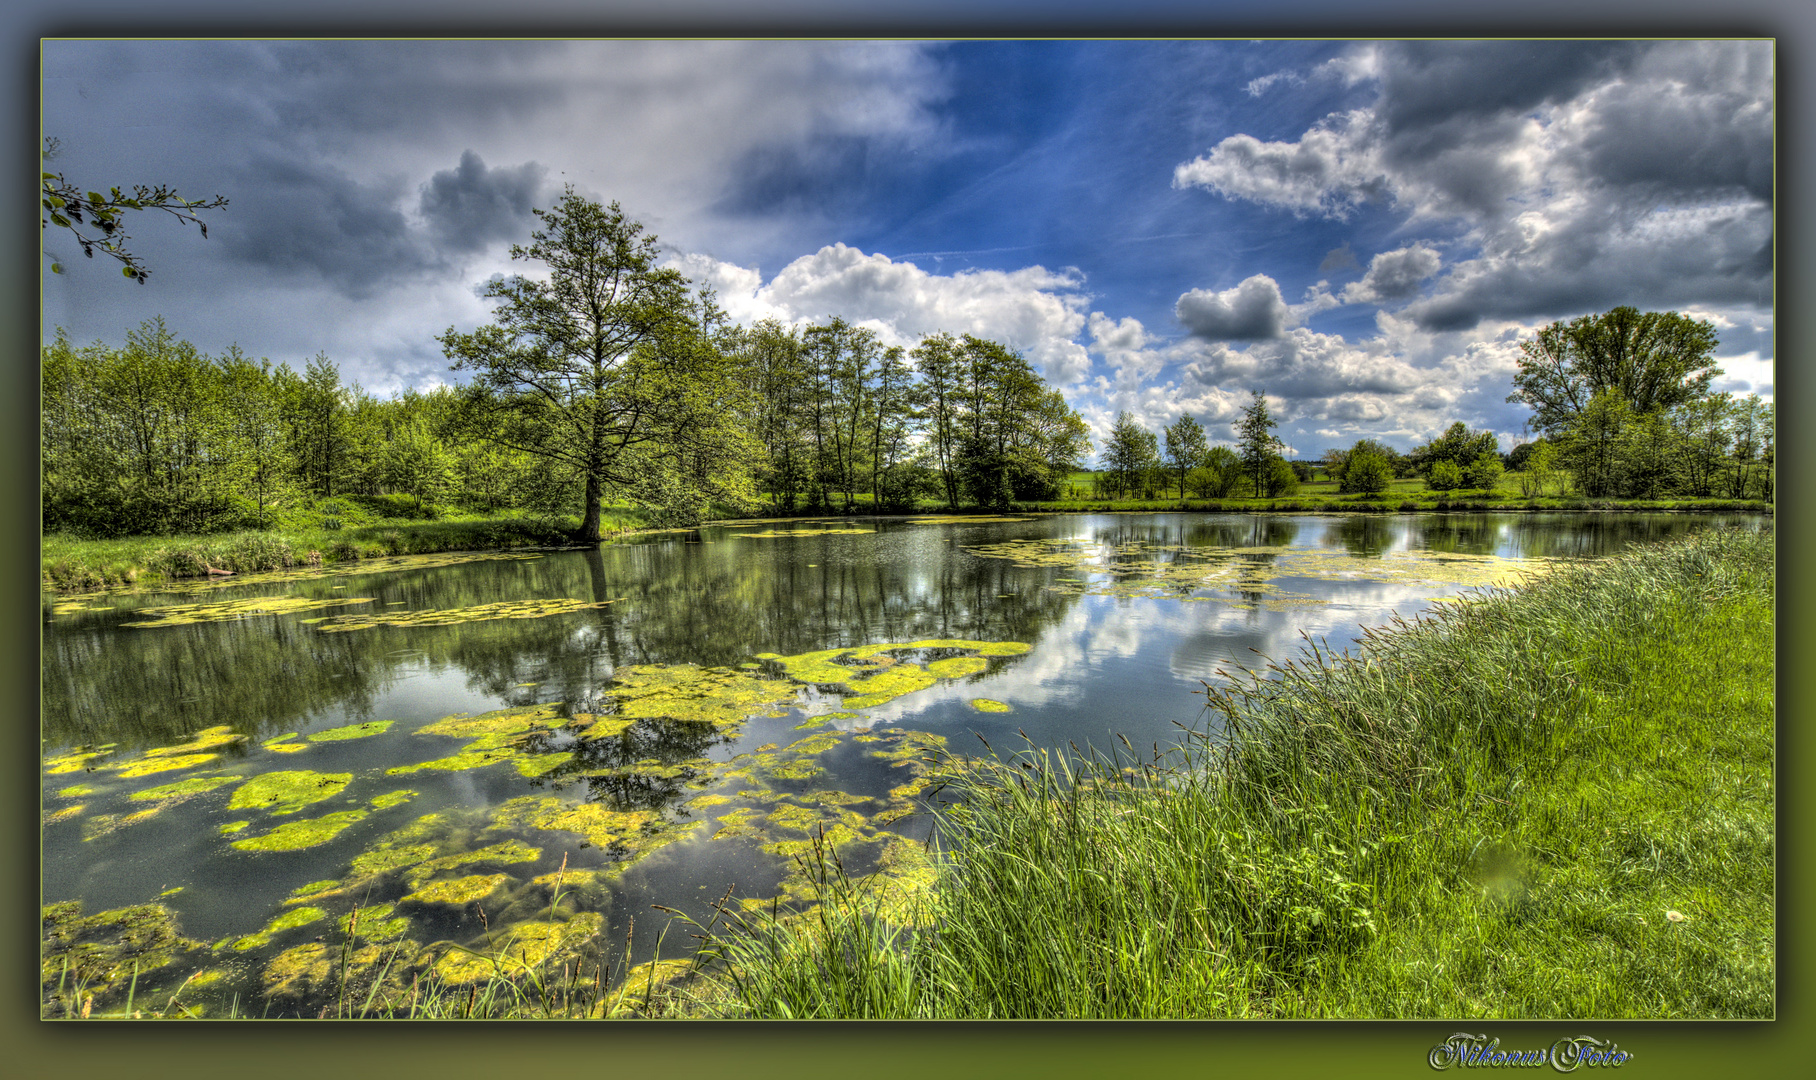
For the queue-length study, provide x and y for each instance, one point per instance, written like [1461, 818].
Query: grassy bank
[345, 532]
[1550, 803]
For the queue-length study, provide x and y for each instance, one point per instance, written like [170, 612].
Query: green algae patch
[507, 852]
[518, 949]
[814, 744]
[636, 830]
[514, 609]
[320, 967]
[69, 763]
[535, 765]
[773, 534]
[296, 835]
[707, 802]
[721, 697]
[65, 814]
[514, 721]
[289, 748]
[184, 789]
[352, 731]
[458, 891]
[103, 953]
[1247, 578]
[206, 739]
[234, 610]
[77, 792]
[984, 704]
[233, 827]
[289, 920]
[303, 892]
[957, 667]
[373, 923]
[287, 792]
[469, 759]
[872, 675]
[151, 766]
[391, 798]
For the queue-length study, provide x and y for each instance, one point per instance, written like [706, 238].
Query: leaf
[59, 219]
[127, 270]
[56, 268]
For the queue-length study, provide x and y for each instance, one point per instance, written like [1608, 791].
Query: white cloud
[1569, 179]
[1035, 311]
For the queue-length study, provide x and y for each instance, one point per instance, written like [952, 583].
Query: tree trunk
[589, 527]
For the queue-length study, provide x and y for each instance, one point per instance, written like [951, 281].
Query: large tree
[1651, 362]
[1185, 448]
[1255, 435]
[606, 366]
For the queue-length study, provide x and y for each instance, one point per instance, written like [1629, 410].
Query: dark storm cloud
[303, 217]
[1432, 89]
[1252, 311]
[470, 206]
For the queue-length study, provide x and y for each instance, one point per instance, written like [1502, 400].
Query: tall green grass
[1555, 802]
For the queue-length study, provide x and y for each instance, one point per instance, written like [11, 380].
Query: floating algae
[636, 832]
[513, 721]
[777, 533]
[65, 814]
[476, 756]
[152, 765]
[289, 920]
[206, 739]
[296, 835]
[233, 827]
[230, 610]
[517, 949]
[986, 705]
[535, 765]
[718, 696]
[1245, 577]
[316, 965]
[352, 731]
[458, 891]
[76, 762]
[514, 609]
[106, 952]
[288, 792]
[370, 923]
[873, 674]
[392, 798]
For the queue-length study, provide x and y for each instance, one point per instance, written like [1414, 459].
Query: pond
[444, 766]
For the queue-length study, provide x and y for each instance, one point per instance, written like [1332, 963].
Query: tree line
[1622, 406]
[607, 378]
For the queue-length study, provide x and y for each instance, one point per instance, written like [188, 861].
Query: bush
[1280, 478]
[1445, 476]
[1366, 472]
[1484, 472]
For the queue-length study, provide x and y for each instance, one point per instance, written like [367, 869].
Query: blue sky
[1363, 231]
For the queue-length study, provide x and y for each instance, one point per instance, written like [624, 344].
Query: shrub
[1445, 476]
[1484, 472]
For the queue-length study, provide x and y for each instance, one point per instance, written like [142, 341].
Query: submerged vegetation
[1550, 802]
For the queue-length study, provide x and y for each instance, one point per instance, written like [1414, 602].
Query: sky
[1363, 231]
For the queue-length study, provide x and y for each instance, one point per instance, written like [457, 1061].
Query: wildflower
[1676, 916]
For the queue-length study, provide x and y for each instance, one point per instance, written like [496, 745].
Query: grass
[335, 531]
[1556, 802]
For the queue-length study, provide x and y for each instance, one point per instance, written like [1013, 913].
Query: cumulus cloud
[1393, 275]
[1252, 311]
[1572, 176]
[1035, 311]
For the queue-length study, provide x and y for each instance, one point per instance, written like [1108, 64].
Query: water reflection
[1102, 663]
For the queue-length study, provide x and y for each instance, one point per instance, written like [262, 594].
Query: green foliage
[1445, 476]
[1130, 457]
[608, 368]
[74, 209]
[1281, 478]
[1363, 469]
[1255, 436]
[1185, 449]
[1484, 472]
[1656, 361]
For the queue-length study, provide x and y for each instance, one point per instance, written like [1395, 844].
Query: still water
[517, 755]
